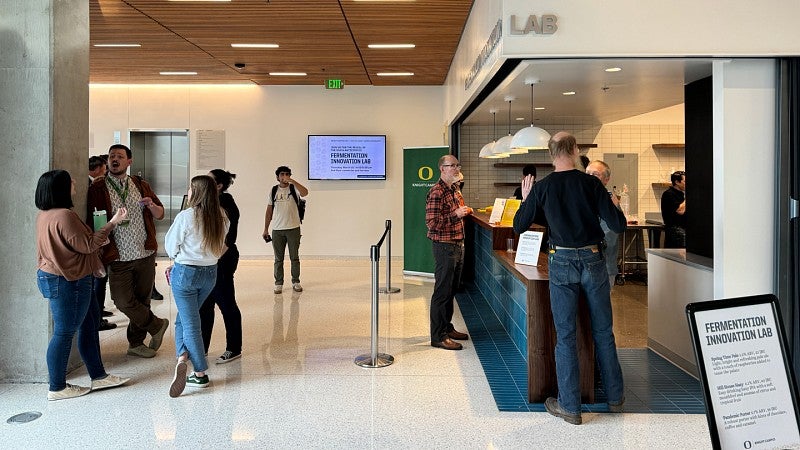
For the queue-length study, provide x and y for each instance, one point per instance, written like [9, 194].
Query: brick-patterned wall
[654, 165]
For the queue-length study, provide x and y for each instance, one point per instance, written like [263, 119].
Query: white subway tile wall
[655, 166]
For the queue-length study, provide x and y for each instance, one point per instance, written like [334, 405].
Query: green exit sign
[334, 84]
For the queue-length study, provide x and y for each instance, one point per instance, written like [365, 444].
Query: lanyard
[122, 192]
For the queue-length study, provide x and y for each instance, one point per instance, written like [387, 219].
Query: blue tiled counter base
[504, 292]
[652, 384]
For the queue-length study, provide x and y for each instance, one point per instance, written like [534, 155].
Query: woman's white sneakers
[179, 380]
[71, 391]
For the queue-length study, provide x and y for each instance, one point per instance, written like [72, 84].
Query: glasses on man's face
[288, 174]
[452, 165]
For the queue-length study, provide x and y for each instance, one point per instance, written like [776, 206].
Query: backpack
[301, 202]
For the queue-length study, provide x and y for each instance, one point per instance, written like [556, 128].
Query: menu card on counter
[530, 242]
[497, 210]
[512, 205]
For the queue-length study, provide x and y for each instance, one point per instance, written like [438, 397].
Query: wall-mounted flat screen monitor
[347, 157]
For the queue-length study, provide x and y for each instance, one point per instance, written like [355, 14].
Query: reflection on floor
[652, 384]
[296, 384]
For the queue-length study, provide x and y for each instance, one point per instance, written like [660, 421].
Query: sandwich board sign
[748, 383]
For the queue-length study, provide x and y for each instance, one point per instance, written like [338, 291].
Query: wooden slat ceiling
[323, 38]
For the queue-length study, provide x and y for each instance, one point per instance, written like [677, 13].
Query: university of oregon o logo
[425, 173]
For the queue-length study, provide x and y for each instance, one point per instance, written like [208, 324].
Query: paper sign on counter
[530, 242]
[510, 210]
[497, 210]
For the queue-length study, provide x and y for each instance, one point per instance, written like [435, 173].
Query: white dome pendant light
[532, 137]
[503, 144]
[486, 151]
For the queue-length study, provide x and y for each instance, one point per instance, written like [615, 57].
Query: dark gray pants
[280, 240]
[448, 258]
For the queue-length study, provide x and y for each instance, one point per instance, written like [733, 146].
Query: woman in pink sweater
[66, 251]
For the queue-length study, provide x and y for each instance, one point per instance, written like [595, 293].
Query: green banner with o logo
[420, 172]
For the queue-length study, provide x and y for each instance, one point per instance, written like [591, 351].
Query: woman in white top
[195, 241]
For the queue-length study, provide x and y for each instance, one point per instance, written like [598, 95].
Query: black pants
[224, 296]
[448, 260]
[99, 291]
[674, 237]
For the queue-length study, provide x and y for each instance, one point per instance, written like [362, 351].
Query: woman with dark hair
[195, 241]
[224, 294]
[66, 253]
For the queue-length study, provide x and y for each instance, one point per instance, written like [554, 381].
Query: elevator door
[162, 159]
[625, 171]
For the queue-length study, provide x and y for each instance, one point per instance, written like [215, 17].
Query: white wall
[674, 28]
[624, 28]
[267, 126]
[744, 177]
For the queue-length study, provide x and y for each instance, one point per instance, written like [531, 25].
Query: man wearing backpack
[283, 212]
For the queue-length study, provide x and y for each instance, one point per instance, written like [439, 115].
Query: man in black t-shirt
[673, 210]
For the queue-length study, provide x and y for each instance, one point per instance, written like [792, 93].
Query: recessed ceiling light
[568, 93]
[520, 118]
[539, 108]
[177, 73]
[391, 46]
[117, 45]
[613, 69]
[395, 74]
[254, 45]
[287, 74]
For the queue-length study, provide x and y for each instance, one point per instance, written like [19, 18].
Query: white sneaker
[278, 288]
[68, 392]
[108, 382]
[297, 287]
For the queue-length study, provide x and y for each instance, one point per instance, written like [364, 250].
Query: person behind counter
[673, 210]
[601, 170]
[572, 202]
[444, 216]
[529, 169]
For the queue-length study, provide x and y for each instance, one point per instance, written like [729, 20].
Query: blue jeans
[280, 240]
[570, 272]
[73, 311]
[190, 288]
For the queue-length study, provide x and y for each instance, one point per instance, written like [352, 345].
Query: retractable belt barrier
[375, 359]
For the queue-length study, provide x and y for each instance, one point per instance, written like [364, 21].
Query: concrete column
[44, 124]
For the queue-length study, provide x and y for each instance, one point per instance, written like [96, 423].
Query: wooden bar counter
[538, 340]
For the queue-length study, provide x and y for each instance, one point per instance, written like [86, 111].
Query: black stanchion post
[374, 359]
[389, 289]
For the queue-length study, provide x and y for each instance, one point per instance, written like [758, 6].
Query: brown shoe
[457, 335]
[156, 339]
[447, 344]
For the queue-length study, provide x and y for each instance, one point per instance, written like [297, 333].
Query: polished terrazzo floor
[297, 386]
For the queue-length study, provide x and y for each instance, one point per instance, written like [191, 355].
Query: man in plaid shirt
[444, 216]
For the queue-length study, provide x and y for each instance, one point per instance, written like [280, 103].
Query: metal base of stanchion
[383, 360]
[389, 290]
